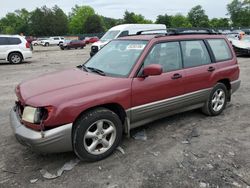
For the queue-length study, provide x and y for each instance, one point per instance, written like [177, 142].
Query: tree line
[46, 21]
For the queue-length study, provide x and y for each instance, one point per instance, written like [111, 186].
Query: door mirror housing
[152, 70]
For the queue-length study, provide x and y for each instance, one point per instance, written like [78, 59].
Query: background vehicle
[242, 47]
[121, 31]
[89, 40]
[14, 48]
[38, 41]
[68, 44]
[52, 41]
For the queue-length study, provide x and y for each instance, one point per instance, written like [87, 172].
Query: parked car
[124, 30]
[38, 41]
[52, 41]
[14, 48]
[89, 40]
[242, 47]
[68, 44]
[132, 81]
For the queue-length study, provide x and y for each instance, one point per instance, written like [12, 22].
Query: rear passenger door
[198, 67]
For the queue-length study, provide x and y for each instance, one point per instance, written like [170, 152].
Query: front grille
[94, 49]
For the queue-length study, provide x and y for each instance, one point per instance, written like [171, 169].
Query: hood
[100, 43]
[241, 44]
[64, 85]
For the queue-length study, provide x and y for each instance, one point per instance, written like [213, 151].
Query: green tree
[197, 17]
[239, 12]
[16, 22]
[78, 17]
[131, 17]
[94, 24]
[164, 19]
[110, 22]
[179, 20]
[219, 22]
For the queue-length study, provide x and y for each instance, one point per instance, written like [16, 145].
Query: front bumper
[54, 141]
[241, 51]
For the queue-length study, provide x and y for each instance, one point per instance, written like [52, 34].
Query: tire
[89, 140]
[15, 58]
[62, 48]
[217, 100]
[81, 47]
[46, 44]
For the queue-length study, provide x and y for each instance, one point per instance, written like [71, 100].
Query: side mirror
[152, 70]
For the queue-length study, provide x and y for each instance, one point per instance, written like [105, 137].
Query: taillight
[27, 45]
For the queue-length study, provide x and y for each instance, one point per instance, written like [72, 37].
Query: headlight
[34, 115]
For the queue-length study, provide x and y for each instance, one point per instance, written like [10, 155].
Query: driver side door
[154, 96]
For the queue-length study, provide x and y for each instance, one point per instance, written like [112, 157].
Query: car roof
[171, 37]
[11, 36]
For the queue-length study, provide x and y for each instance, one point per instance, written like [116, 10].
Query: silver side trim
[235, 85]
[54, 140]
[146, 113]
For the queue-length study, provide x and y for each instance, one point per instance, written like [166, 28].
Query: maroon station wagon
[132, 81]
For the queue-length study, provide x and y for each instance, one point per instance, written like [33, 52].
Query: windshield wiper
[98, 71]
[83, 67]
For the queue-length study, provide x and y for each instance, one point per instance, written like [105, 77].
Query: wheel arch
[8, 57]
[227, 83]
[114, 107]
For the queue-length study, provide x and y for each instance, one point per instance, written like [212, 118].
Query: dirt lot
[186, 150]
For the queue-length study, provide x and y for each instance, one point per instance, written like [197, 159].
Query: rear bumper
[235, 85]
[54, 140]
[27, 54]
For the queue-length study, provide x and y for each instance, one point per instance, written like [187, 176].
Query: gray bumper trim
[235, 85]
[54, 140]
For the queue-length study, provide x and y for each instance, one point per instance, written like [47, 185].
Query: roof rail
[191, 31]
[140, 32]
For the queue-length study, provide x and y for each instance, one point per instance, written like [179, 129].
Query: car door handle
[176, 76]
[210, 69]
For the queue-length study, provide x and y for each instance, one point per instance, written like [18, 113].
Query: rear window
[14, 41]
[194, 53]
[10, 41]
[220, 49]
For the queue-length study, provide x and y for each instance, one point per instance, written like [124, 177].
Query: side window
[220, 49]
[194, 53]
[3, 41]
[168, 55]
[56, 38]
[123, 34]
[14, 41]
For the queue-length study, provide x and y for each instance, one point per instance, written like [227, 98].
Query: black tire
[209, 106]
[62, 48]
[85, 123]
[15, 58]
[81, 47]
[46, 44]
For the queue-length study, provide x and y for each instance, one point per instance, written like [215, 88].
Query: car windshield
[110, 35]
[118, 57]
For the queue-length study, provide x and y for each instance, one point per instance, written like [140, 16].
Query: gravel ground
[185, 150]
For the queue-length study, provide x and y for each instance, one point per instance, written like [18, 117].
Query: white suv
[52, 41]
[14, 48]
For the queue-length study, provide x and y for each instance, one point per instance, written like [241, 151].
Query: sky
[115, 8]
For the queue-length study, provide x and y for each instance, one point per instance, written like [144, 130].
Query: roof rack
[143, 31]
[191, 31]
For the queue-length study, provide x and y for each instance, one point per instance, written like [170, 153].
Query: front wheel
[96, 134]
[217, 100]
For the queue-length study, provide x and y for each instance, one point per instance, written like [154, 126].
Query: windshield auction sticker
[135, 46]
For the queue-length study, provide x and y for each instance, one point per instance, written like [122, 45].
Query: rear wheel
[46, 44]
[15, 58]
[96, 134]
[217, 100]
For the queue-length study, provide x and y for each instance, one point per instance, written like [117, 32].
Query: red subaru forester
[132, 81]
